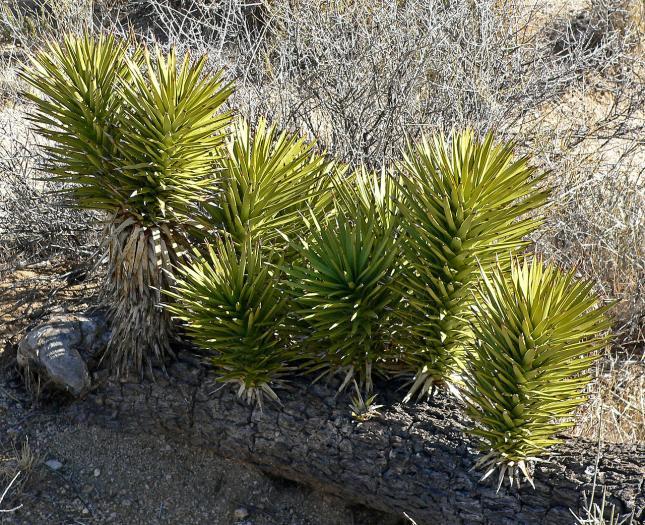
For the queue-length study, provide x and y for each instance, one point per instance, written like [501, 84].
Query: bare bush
[361, 76]
[596, 223]
[34, 221]
[617, 401]
[29, 23]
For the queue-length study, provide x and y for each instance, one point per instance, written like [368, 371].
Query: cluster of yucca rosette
[276, 259]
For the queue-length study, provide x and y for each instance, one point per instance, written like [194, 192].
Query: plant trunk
[140, 261]
[412, 458]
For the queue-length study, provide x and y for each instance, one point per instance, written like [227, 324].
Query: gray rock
[58, 349]
[94, 335]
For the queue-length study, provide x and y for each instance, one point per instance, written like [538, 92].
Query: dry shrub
[617, 401]
[17, 472]
[362, 75]
[29, 23]
[596, 224]
[34, 221]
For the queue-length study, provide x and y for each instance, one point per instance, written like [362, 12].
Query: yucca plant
[463, 205]
[537, 331]
[267, 179]
[77, 108]
[344, 282]
[372, 192]
[134, 135]
[233, 305]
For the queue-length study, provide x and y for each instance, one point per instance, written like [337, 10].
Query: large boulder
[58, 351]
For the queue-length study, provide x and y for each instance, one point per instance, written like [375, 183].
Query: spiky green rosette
[134, 136]
[344, 285]
[233, 305]
[536, 334]
[77, 108]
[461, 206]
[267, 179]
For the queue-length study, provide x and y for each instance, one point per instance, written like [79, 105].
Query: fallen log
[412, 458]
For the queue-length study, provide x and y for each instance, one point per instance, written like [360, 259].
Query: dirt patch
[31, 292]
[71, 473]
[92, 475]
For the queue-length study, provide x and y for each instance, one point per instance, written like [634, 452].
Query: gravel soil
[71, 473]
[89, 475]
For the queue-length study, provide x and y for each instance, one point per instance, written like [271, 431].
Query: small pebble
[97, 473]
[54, 464]
[240, 513]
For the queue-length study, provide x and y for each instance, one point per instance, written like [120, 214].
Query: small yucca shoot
[363, 408]
[232, 304]
[536, 334]
[461, 207]
[344, 288]
[133, 135]
[267, 178]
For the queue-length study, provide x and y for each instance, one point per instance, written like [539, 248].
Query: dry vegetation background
[564, 79]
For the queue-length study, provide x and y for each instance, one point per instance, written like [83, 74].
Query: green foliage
[233, 304]
[267, 180]
[171, 129]
[420, 270]
[344, 286]
[363, 408]
[376, 194]
[460, 205]
[141, 142]
[77, 107]
[536, 333]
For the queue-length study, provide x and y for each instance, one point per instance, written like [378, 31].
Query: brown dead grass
[616, 407]
[18, 470]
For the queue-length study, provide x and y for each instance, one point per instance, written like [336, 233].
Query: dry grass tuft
[17, 470]
[602, 513]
